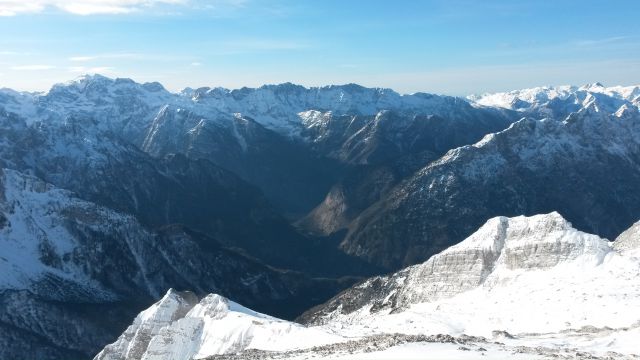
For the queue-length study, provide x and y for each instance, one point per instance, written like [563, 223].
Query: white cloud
[14, 7]
[258, 45]
[127, 56]
[32, 67]
[82, 58]
[195, 63]
[81, 7]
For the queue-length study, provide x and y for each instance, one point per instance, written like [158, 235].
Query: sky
[455, 47]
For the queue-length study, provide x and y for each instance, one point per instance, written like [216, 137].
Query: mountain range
[280, 197]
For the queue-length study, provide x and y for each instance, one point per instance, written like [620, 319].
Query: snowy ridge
[180, 327]
[549, 100]
[124, 105]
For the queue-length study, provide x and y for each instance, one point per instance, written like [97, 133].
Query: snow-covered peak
[122, 102]
[593, 86]
[561, 100]
[135, 340]
[503, 231]
[178, 328]
[277, 106]
[500, 247]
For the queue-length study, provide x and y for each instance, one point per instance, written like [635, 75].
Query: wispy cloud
[123, 55]
[605, 41]
[257, 45]
[196, 63]
[32, 67]
[82, 58]
[128, 56]
[82, 7]
[91, 70]
[566, 47]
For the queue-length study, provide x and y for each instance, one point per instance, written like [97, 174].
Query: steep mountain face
[66, 262]
[525, 286]
[289, 173]
[585, 167]
[358, 189]
[385, 149]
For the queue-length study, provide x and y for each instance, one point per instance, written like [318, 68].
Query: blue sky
[443, 46]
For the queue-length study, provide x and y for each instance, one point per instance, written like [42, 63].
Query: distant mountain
[268, 135]
[560, 101]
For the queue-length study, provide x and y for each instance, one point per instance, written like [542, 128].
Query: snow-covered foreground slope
[533, 287]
